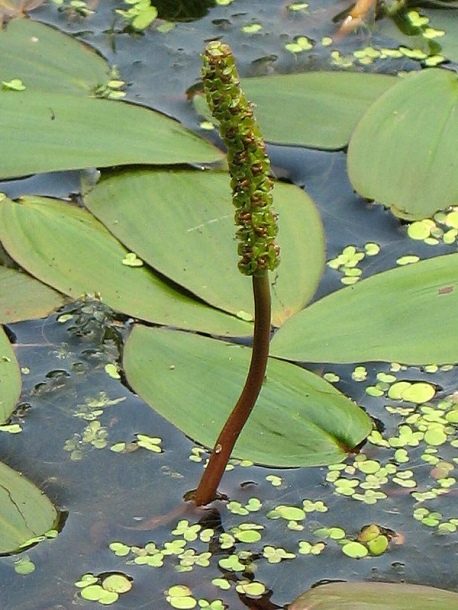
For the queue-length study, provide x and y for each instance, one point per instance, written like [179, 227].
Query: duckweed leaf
[402, 315]
[182, 224]
[67, 248]
[318, 109]
[10, 379]
[25, 512]
[194, 381]
[49, 131]
[414, 167]
[23, 298]
[447, 22]
[374, 596]
[48, 60]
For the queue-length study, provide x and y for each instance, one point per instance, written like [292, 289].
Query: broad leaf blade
[182, 224]
[48, 132]
[194, 381]
[403, 315]
[68, 249]
[375, 596]
[23, 298]
[25, 512]
[48, 60]
[314, 109]
[10, 378]
[414, 165]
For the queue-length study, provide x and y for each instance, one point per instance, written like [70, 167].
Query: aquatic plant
[251, 185]
[75, 253]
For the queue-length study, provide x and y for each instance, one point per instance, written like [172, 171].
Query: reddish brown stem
[208, 486]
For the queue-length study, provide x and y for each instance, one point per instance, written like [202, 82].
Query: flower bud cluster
[248, 162]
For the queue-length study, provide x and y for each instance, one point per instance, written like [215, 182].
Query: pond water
[72, 413]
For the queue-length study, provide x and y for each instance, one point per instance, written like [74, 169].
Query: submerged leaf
[194, 381]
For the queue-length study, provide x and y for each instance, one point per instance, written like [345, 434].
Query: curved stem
[208, 485]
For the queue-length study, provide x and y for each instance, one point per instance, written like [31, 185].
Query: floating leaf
[402, 315]
[23, 298]
[318, 109]
[374, 596]
[25, 512]
[48, 60]
[67, 248]
[53, 131]
[10, 379]
[182, 224]
[414, 166]
[194, 381]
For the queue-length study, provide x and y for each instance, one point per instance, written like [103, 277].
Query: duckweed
[251, 588]
[276, 554]
[355, 550]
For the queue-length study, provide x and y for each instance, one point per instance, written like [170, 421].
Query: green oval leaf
[67, 248]
[413, 166]
[52, 131]
[374, 596]
[47, 60]
[182, 224]
[402, 315]
[194, 381]
[318, 109]
[25, 512]
[15, 302]
[10, 378]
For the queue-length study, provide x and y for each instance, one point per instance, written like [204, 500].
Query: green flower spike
[257, 222]
[249, 165]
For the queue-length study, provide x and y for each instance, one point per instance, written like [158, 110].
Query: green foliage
[25, 512]
[46, 101]
[414, 167]
[10, 378]
[375, 596]
[402, 315]
[62, 79]
[66, 247]
[319, 109]
[15, 301]
[47, 60]
[140, 15]
[166, 216]
[299, 420]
